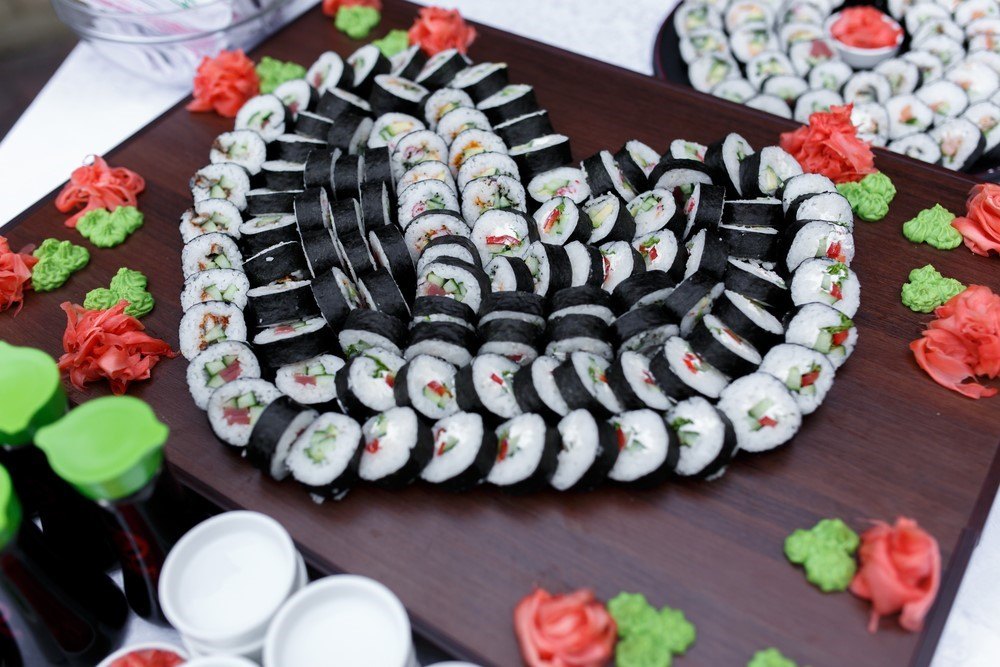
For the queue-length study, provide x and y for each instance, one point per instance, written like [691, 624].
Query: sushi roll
[961, 143]
[588, 451]
[810, 53]
[632, 381]
[803, 185]
[328, 72]
[695, 16]
[453, 246]
[692, 297]
[318, 165]
[826, 281]
[645, 327]
[290, 342]
[367, 63]
[509, 274]
[473, 142]
[918, 146]
[652, 210]
[723, 159]
[431, 170]
[271, 438]
[557, 221]
[283, 174]
[378, 167]
[947, 50]
[824, 329]
[326, 456]
[660, 252]
[210, 251]
[945, 98]
[734, 90]
[442, 309]
[513, 338]
[647, 449]
[642, 289]
[394, 94]
[321, 252]
[581, 300]
[454, 279]
[764, 211]
[511, 101]
[903, 75]
[459, 120]
[345, 178]
[672, 173]
[560, 182]
[336, 296]
[704, 252]
[264, 114]
[389, 249]
[234, 408]
[211, 322]
[808, 374]
[481, 81]
[430, 226]
[222, 285]
[753, 243]
[452, 342]
[440, 102]
[572, 333]
[703, 42]
[831, 76]
[380, 291]
[586, 264]
[750, 40]
[527, 454]
[397, 447]
[609, 219]
[722, 347]
[550, 267]
[768, 63]
[481, 165]
[772, 104]
[680, 372]
[930, 66]
[486, 386]
[621, 261]
[441, 68]
[818, 239]
[311, 382]
[762, 411]
[536, 389]
[388, 128]
[312, 125]
[766, 171]
[815, 101]
[702, 210]
[786, 87]
[712, 69]
[261, 201]
[986, 116]
[377, 208]
[356, 256]
[416, 147]
[312, 210]
[217, 365]
[428, 385]
[491, 193]
[583, 384]
[264, 231]
[245, 148]
[541, 154]
[604, 175]
[365, 329]
[523, 129]
[297, 95]
[706, 436]
[756, 282]
[425, 196]
[224, 180]
[748, 319]
[637, 161]
[828, 206]
[464, 452]
[282, 302]
[366, 383]
[867, 87]
[521, 305]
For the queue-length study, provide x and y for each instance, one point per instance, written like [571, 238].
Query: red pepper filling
[372, 446]
[305, 379]
[496, 378]
[833, 252]
[231, 372]
[839, 337]
[236, 416]
[767, 421]
[622, 440]
[810, 378]
[502, 450]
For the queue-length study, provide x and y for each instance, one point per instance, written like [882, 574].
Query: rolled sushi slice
[826, 281]
[430, 226]
[587, 453]
[395, 94]
[397, 447]
[759, 212]
[482, 165]
[550, 267]
[961, 143]
[277, 428]
[918, 146]
[264, 114]
[446, 340]
[210, 216]
[560, 182]
[428, 385]
[218, 365]
[645, 327]
[282, 302]
[527, 454]
[486, 386]
[222, 285]
[724, 348]
[464, 452]
[768, 63]
[604, 175]
[672, 173]
[388, 247]
[766, 171]
[459, 120]
[586, 264]
[210, 251]
[660, 252]
[712, 69]
[574, 333]
[680, 372]
[583, 384]
[416, 147]
[772, 104]
[430, 170]
[243, 147]
[326, 456]
[442, 309]
[581, 300]
[609, 219]
[376, 206]
[473, 142]
[557, 221]
[235, 407]
[501, 232]
[523, 129]
[748, 319]
[734, 90]
[704, 42]
[652, 210]
[637, 161]
[536, 389]
[831, 75]
[819, 239]
[704, 252]
[903, 75]
[761, 244]
[211, 322]
[441, 68]
[692, 298]
[757, 282]
[706, 437]
[541, 154]
[647, 449]
[810, 53]
[824, 329]
[762, 410]
[390, 127]
[815, 101]
[867, 87]
[509, 102]
[291, 342]
[621, 261]
[430, 195]
[481, 80]
[523, 305]
[723, 159]
[632, 381]
[650, 287]
[283, 174]
[365, 329]
[829, 206]
[703, 210]
[986, 116]
[509, 274]
[977, 79]
[804, 185]
[451, 246]
[945, 98]
[808, 374]
[368, 63]
[366, 384]
[454, 279]
[261, 201]
[328, 72]
[311, 382]
[336, 296]
[786, 87]
[381, 293]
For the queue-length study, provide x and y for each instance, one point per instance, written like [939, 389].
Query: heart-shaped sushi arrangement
[936, 99]
[395, 272]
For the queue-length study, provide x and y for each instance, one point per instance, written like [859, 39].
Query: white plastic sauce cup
[145, 646]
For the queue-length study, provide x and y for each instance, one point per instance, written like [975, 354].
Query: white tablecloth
[89, 107]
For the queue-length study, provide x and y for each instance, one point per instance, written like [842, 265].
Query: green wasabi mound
[357, 22]
[273, 72]
[106, 229]
[933, 227]
[128, 285]
[649, 637]
[870, 197]
[826, 551]
[927, 289]
[395, 41]
[57, 260]
[770, 657]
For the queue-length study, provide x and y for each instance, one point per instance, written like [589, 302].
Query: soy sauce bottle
[56, 611]
[111, 451]
[31, 397]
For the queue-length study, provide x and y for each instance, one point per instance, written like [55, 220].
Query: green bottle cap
[107, 448]
[10, 509]
[31, 395]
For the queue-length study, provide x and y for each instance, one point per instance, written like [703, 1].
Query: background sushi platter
[887, 441]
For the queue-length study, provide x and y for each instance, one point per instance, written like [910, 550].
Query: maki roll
[723, 348]
[366, 383]
[376, 206]
[271, 438]
[801, 186]
[642, 289]
[723, 158]
[660, 252]
[234, 408]
[312, 381]
[336, 296]
[945, 98]
[604, 175]
[397, 447]
[388, 247]
[513, 338]
[645, 327]
[355, 254]
[481, 165]
[766, 171]
[586, 264]
[808, 374]
[430, 226]
[210, 251]
[368, 63]
[459, 120]
[222, 285]
[571, 333]
[217, 365]
[828, 206]
[652, 210]
[394, 94]
[282, 302]
[486, 386]
[819, 239]
[621, 261]
[264, 114]
[473, 142]
[509, 102]
[550, 267]
[826, 281]
[326, 456]
[711, 69]
[454, 279]
[225, 180]
[523, 129]
[587, 453]
[814, 101]
[748, 319]
[509, 274]
[481, 81]
[830, 76]
[211, 322]
[451, 246]
[312, 210]
[416, 147]
[328, 72]
[756, 282]
[581, 300]
[297, 95]
[245, 148]
[560, 182]
[557, 221]
[681, 372]
[365, 329]
[431, 170]
[283, 174]
[961, 143]
[429, 386]
[446, 340]
[536, 389]
[527, 454]
[647, 449]
[609, 219]
[824, 329]
[321, 252]
[491, 193]
[441, 68]
[522, 305]
[706, 436]
[290, 342]
[442, 309]
[583, 384]
[704, 252]
[917, 146]
[637, 161]
[312, 125]
[762, 411]
[867, 87]
[390, 127]
[702, 210]
[380, 292]
[762, 244]
[541, 154]
[425, 196]
[632, 381]
[464, 452]
[378, 167]
[440, 102]
[692, 297]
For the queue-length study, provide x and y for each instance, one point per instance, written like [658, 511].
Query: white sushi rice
[234, 408]
[701, 434]
[493, 377]
[430, 385]
[635, 367]
[807, 373]
[310, 381]
[816, 325]
[208, 370]
[521, 445]
[763, 412]
[371, 376]
[579, 449]
[826, 281]
[210, 322]
[643, 443]
[324, 450]
[693, 370]
[389, 438]
[457, 441]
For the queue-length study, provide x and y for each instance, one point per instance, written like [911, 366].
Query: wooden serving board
[888, 441]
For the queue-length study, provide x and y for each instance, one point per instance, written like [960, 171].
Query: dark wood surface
[888, 441]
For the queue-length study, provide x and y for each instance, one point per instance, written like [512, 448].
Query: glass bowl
[165, 40]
